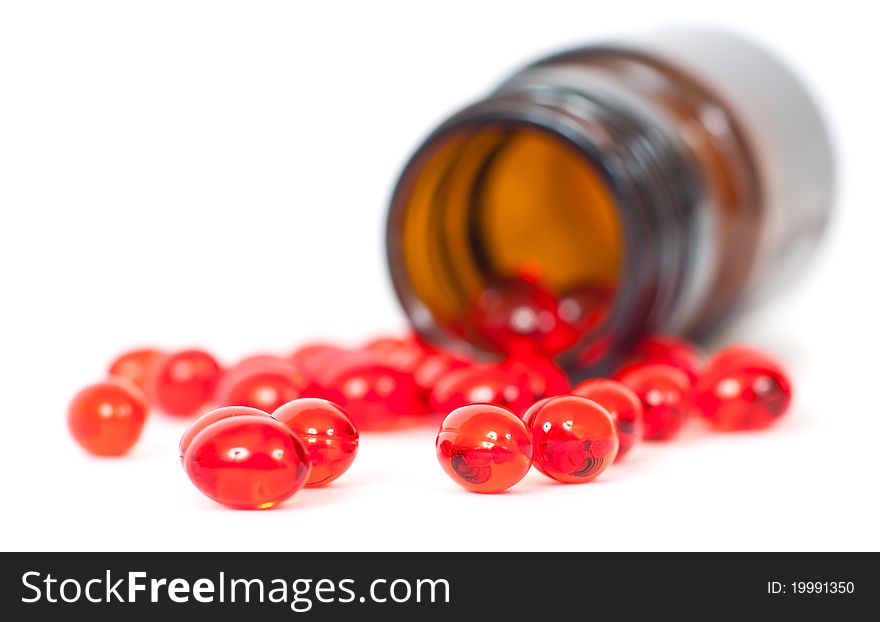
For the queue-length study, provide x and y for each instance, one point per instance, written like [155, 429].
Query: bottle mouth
[517, 227]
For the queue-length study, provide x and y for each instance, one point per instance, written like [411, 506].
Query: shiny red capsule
[743, 389]
[107, 418]
[247, 462]
[574, 438]
[136, 366]
[483, 384]
[212, 417]
[329, 435]
[621, 403]
[484, 448]
[665, 393]
[185, 382]
[518, 316]
[375, 396]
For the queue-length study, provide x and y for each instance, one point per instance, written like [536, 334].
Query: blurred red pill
[185, 382]
[402, 354]
[374, 395]
[311, 358]
[107, 418]
[545, 378]
[621, 403]
[212, 417]
[264, 385]
[136, 366]
[256, 360]
[483, 384]
[329, 436]
[435, 365]
[743, 389]
[666, 350]
[665, 393]
[584, 308]
[517, 316]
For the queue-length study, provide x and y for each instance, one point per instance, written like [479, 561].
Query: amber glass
[668, 180]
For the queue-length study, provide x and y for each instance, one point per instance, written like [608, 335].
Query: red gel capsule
[256, 361]
[665, 393]
[265, 385]
[185, 382]
[107, 418]
[621, 403]
[665, 350]
[212, 417]
[374, 395]
[311, 358]
[545, 378]
[743, 389]
[433, 367]
[402, 354]
[136, 366]
[585, 308]
[247, 462]
[519, 316]
[484, 448]
[574, 438]
[329, 435]
[483, 384]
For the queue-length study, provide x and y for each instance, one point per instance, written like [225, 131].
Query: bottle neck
[657, 195]
[654, 191]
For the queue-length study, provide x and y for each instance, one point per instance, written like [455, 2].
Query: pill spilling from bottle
[270, 425]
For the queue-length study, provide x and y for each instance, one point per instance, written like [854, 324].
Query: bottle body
[652, 186]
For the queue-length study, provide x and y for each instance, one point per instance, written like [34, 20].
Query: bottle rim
[653, 190]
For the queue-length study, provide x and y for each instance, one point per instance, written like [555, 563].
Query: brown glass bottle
[682, 174]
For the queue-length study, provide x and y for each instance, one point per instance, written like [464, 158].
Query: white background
[216, 174]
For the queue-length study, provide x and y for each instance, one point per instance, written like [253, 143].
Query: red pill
[136, 366]
[402, 354]
[575, 438]
[185, 382]
[212, 417]
[329, 435]
[584, 308]
[743, 389]
[483, 384]
[247, 462]
[434, 366]
[484, 448]
[374, 395]
[265, 385]
[545, 378]
[666, 350]
[665, 393]
[107, 418]
[312, 357]
[256, 360]
[519, 316]
[621, 403]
